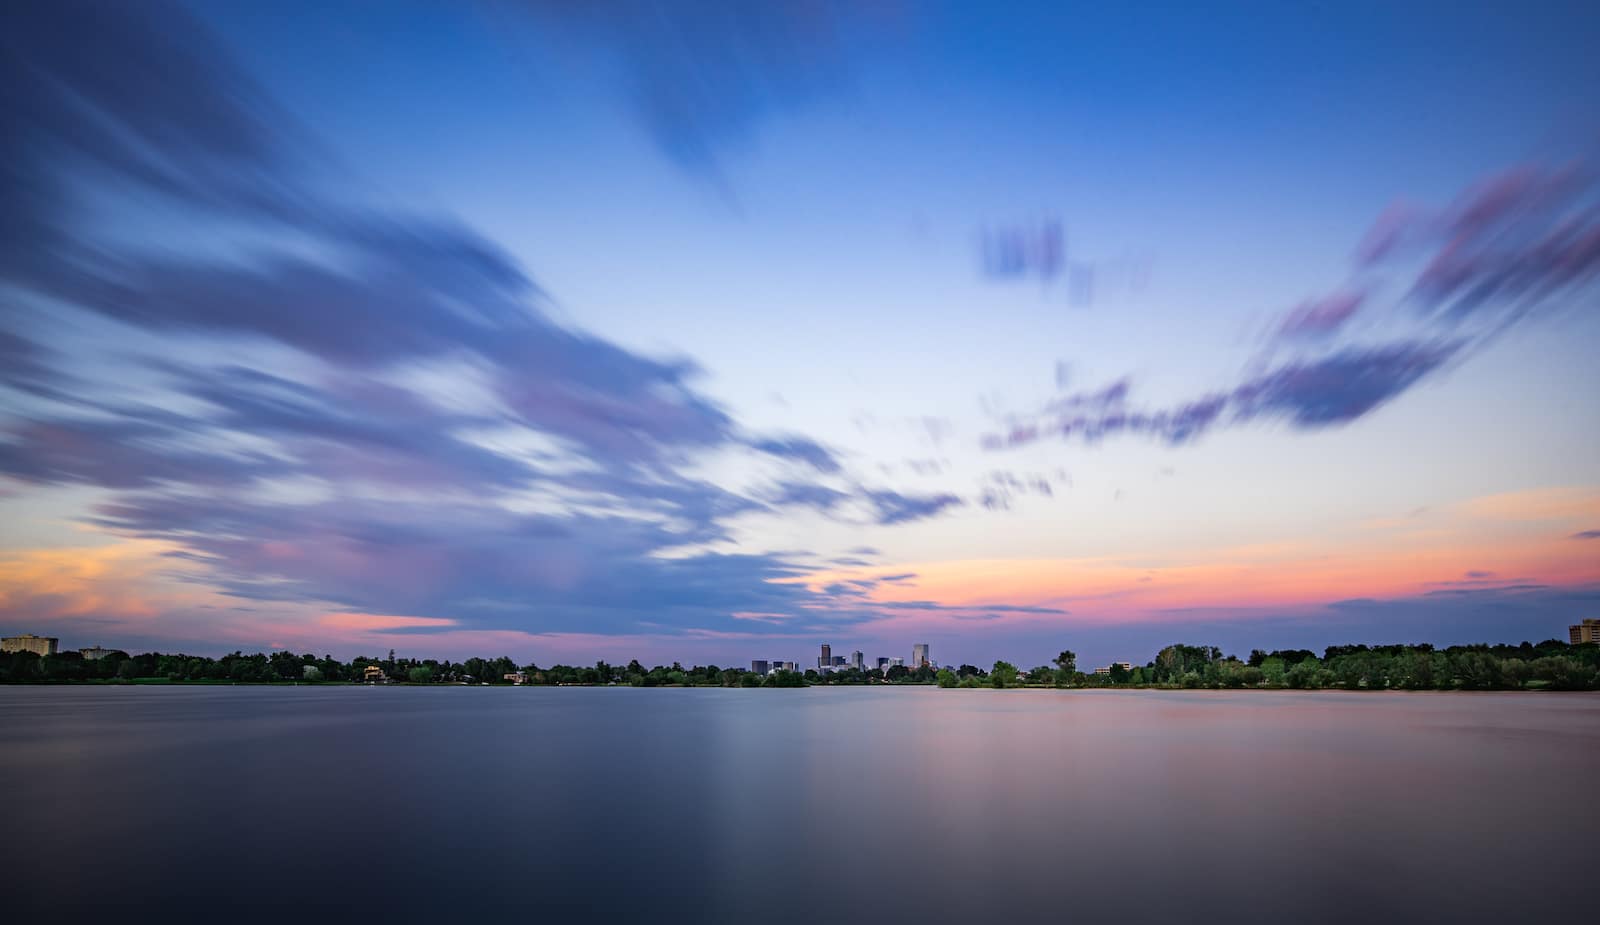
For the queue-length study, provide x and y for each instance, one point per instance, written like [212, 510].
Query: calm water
[827, 805]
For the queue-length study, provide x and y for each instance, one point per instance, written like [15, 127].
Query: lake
[826, 804]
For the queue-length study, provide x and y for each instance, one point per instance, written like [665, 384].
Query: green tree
[947, 678]
[1003, 674]
[1067, 662]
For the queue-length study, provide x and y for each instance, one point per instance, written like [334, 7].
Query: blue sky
[668, 329]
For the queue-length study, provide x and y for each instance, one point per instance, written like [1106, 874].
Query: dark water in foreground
[824, 805]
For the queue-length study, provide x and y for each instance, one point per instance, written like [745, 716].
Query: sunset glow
[857, 327]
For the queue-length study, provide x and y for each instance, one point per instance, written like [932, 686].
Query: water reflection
[713, 805]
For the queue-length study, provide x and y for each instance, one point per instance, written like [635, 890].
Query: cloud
[1508, 246]
[807, 494]
[382, 622]
[1587, 535]
[484, 566]
[892, 507]
[934, 606]
[801, 449]
[702, 77]
[100, 583]
[1000, 487]
[1320, 318]
[1309, 395]
[1336, 389]
[342, 409]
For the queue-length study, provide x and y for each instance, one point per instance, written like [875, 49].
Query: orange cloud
[1565, 504]
[120, 580]
[374, 622]
[1520, 537]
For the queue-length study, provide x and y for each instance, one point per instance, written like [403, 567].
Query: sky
[711, 333]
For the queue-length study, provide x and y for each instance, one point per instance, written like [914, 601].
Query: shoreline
[164, 682]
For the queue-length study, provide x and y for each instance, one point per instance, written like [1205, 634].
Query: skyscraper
[758, 666]
[859, 660]
[919, 655]
[1587, 631]
[825, 660]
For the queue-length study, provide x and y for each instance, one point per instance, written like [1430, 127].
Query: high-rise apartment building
[1587, 631]
[27, 642]
[859, 660]
[919, 655]
[825, 660]
[758, 666]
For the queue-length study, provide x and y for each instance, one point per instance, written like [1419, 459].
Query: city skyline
[515, 329]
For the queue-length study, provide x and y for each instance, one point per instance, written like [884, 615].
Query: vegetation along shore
[1550, 665]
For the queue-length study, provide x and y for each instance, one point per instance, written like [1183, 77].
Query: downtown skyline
[509, 328]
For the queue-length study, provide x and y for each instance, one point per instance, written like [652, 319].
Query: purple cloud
[1507, 246]
[1308, 394]
[278, 416]
[1001, 487]
[801, 449]
[806, 494]
[702, 76]
[1339, 388]
[892, 507]
[1320, 318]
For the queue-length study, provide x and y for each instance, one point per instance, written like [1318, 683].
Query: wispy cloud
[262, 397]
[1506, 249]
[702, 77]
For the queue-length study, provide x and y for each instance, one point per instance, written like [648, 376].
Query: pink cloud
[1317, 318]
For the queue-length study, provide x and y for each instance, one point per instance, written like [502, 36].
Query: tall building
[27, 642]
[825, 660]
[95, 653]
[759, 666]
[1587, 631]
[883, 662]
[919, 655]
[859, 660]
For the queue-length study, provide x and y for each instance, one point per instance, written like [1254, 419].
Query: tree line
[287, 667]
[1552, 665]
[1549, 665]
